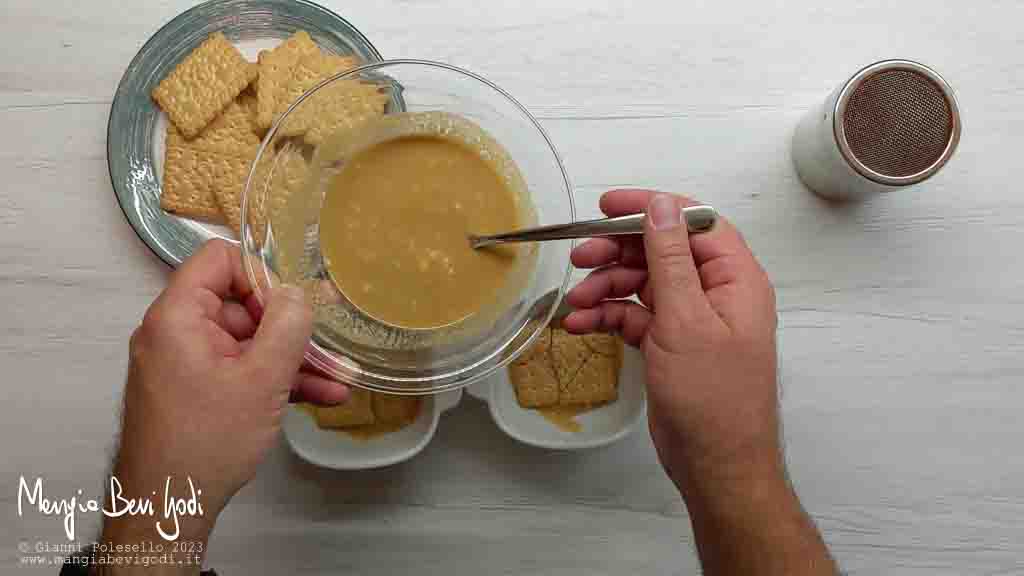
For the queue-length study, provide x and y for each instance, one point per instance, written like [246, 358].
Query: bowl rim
[325, 361]
[304, 452]
[485, 392]
[121, 92]
[441, 403]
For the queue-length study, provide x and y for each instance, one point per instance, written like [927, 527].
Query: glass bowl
[136, 128]
[281, 223]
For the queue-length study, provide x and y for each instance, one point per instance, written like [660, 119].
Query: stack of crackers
[220, 106]
[365, 408]
[561, 369]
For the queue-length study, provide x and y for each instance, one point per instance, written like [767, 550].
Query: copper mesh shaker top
[894, 123]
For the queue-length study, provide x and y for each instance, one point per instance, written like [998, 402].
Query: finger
[216, 267]
[741, 293]
[279, 345]
[615, 281]
[252, 304]
[216, 340]
[236, 320]
[729, 269]
[633, 201]
[675, 283]
[318, 390]
[597, 252]
[227, 323]
[623, 317]
[723, 260]
[723, 240]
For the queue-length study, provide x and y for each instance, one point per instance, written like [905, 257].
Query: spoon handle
[698, 219]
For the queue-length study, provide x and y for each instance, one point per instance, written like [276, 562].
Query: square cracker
[344, 106]
[394, 409]
[187, 189]
[308, 71]
[533, 375]
[278, 177]
[540, 350]
[604, 344]
[228, 173]
[194, 169]
[202, 84]
[275, 72]
[595, 379]
[568, 353]
[357, 411]
[535, 384]
[231, 132]
[563, 369]
[596, 382]
[250, 103]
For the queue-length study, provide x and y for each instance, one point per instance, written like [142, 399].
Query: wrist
[737, 487]
[751, 522]
[753, 472]
[155, 523]
[150, 497]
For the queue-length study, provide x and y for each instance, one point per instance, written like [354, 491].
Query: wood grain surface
[902, 318]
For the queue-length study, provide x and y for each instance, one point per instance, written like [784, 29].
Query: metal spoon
[698, 219]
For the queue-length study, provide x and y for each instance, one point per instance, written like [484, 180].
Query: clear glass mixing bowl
[281, 219]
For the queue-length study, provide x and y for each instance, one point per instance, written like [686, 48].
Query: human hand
[706, 326]
[209, 377]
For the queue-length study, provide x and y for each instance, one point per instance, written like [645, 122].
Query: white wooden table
[902, 319]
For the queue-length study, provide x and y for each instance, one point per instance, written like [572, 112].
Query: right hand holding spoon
[705, 323]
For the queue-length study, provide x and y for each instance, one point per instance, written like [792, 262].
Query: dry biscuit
[356, 411]
[203, 84]
[308, 71]
[346, 105]
[228, 175]
[275, 72]
[277, 178]
[250, 103]
[187, 189]
[231, 132]
[194, 170]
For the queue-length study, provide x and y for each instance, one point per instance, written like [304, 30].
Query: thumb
[280, 342]
[672, 273]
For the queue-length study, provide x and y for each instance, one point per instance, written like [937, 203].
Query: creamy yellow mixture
[394, 226]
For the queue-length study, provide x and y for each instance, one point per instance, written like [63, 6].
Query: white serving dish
[335, 449]
[600, 426]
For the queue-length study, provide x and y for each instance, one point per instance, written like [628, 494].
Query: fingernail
[664, 212]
